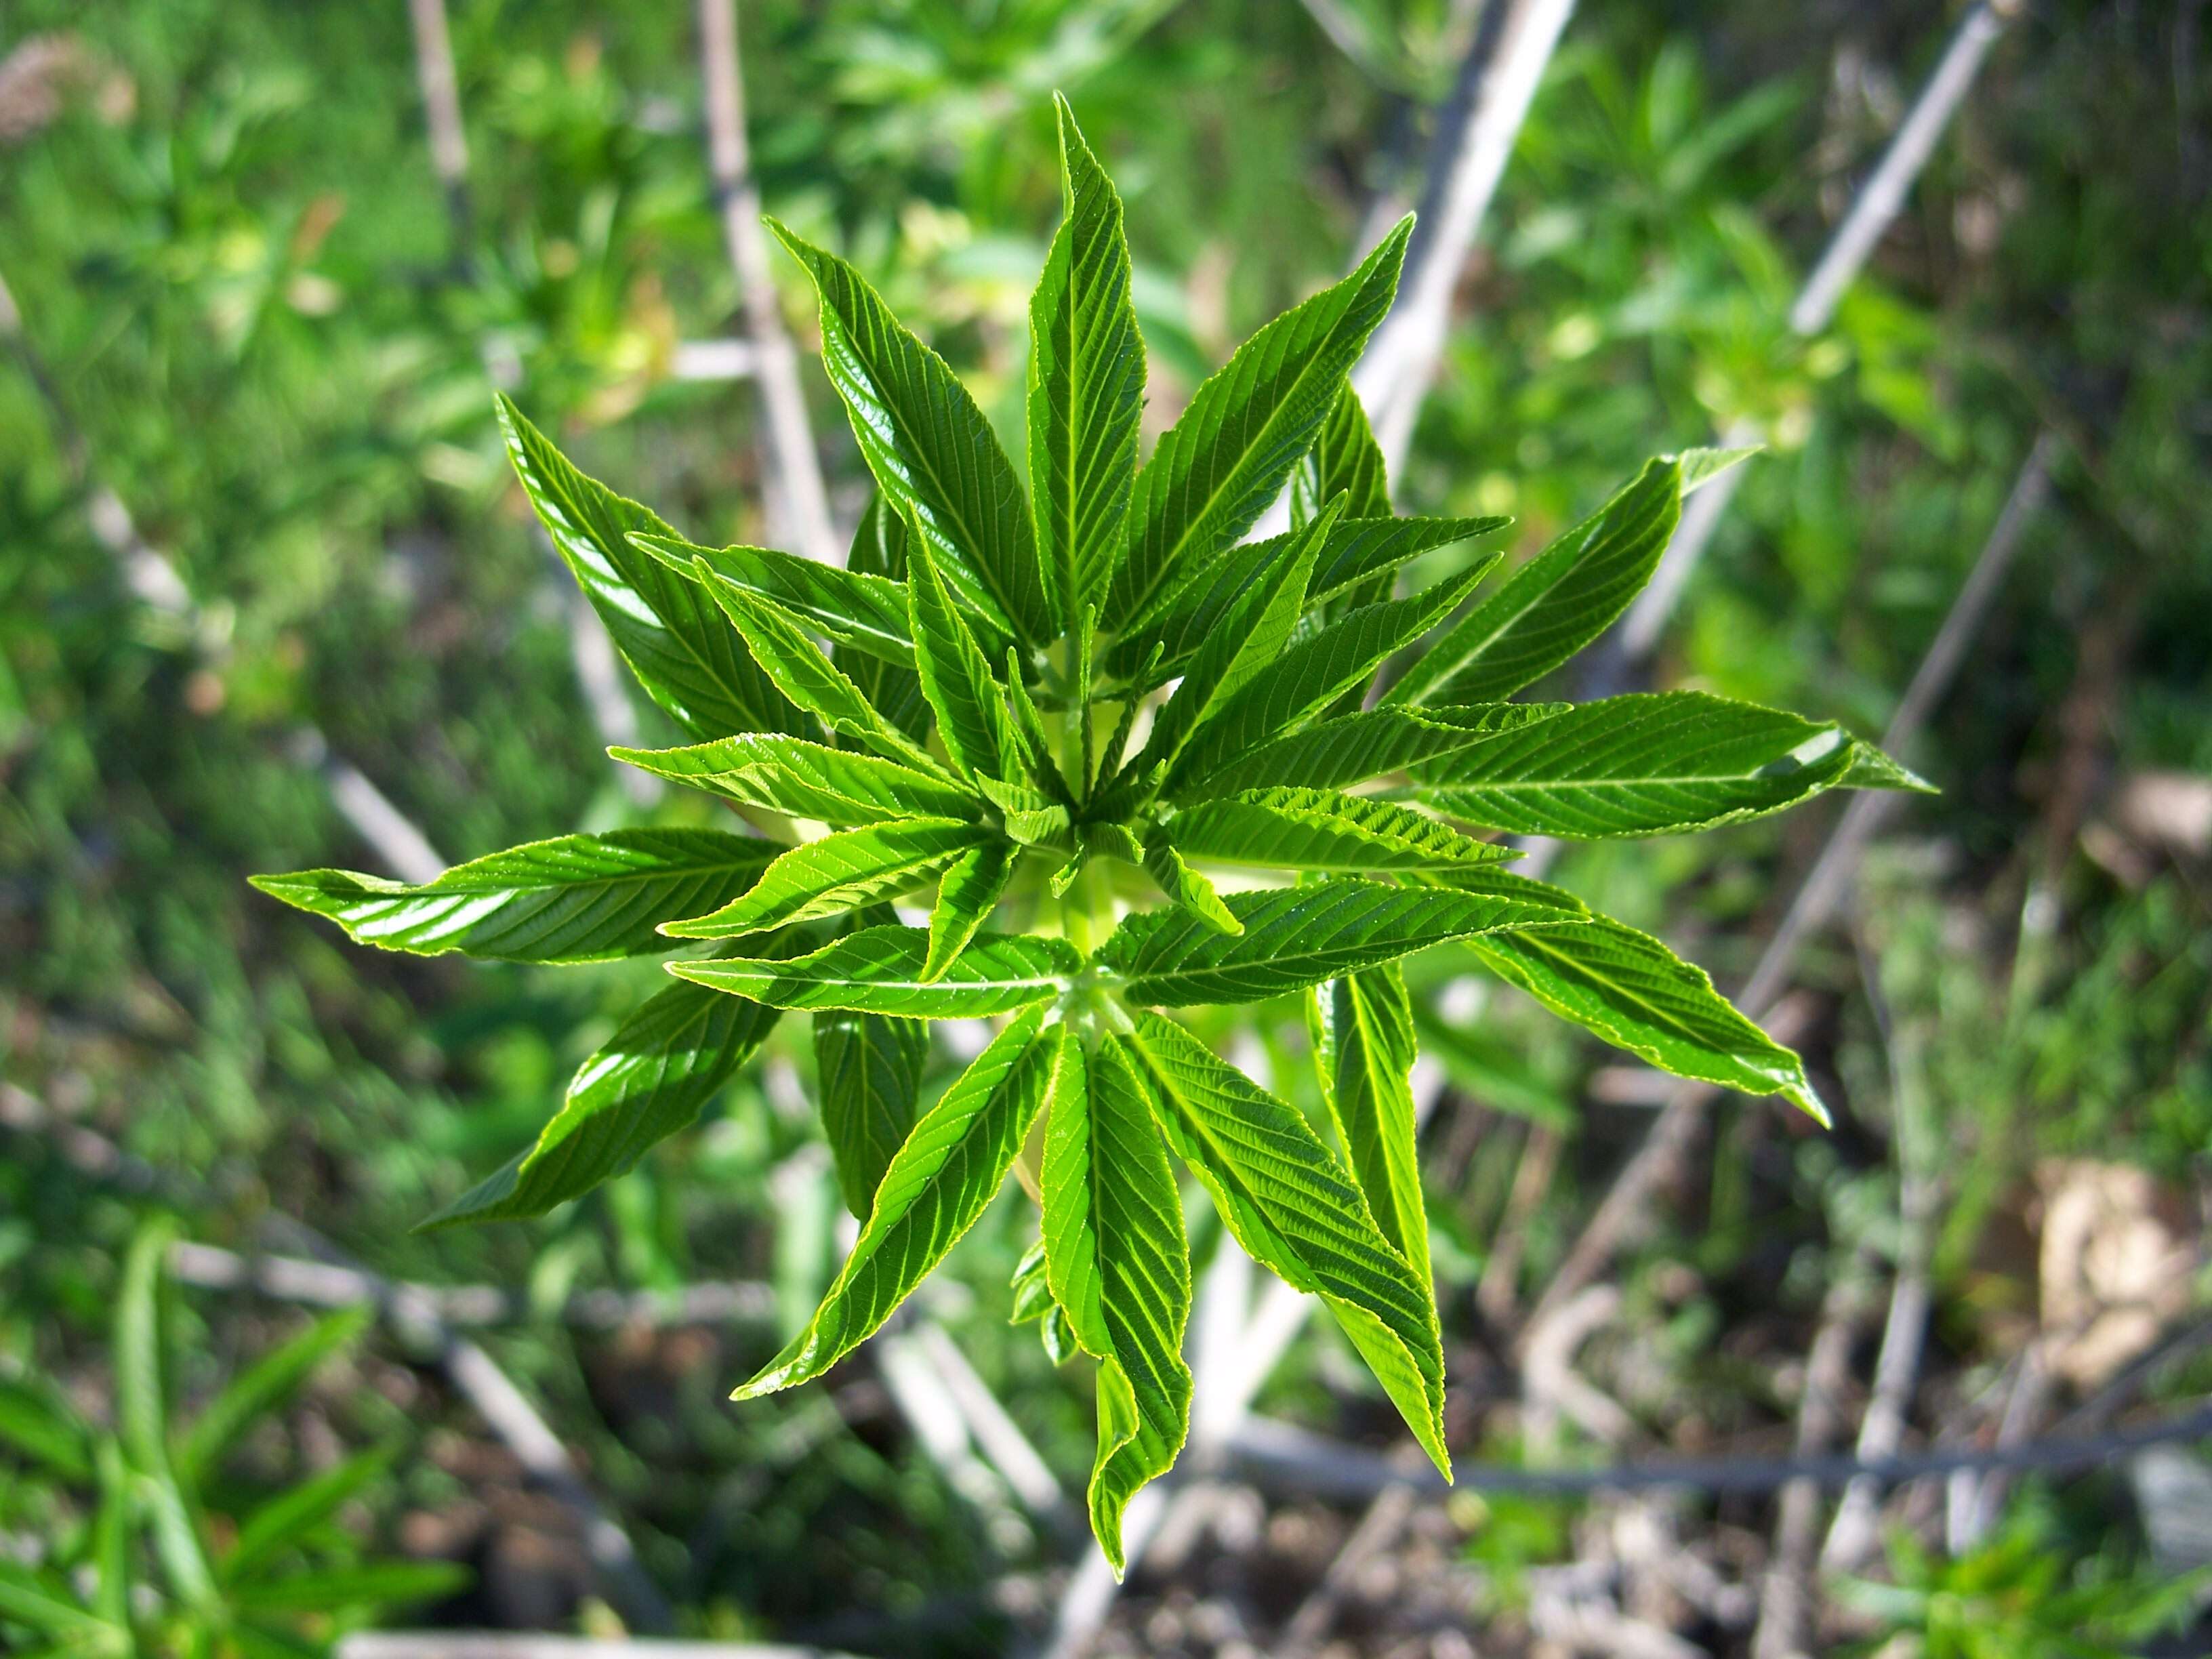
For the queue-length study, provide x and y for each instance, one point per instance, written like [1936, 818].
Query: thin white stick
[996, 1434]
[1871, 214]
[1498, 82]
[442, 111]
[775, 366]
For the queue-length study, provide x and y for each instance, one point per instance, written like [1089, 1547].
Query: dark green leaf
[1345, 460]
[805, 674]
[651, 1079]
[939, 1182]
[932, 451]
[866, 612]
[807, 781]
[1648, 764]
[880, 971]
[1558, 602]
[1371, 1047]
[1086, 385]
[965, 898]
[1119, 1267]
[869, 1069]
[373, 1584]
[1294, 1209]
[1295, 937]
[670, 632]
[970, 705]
[574, 898]
[1635, 993]
[1350, 748]
[1216, 470]
[1320, 829]
[263, 1388]
[284, 1519]
[839, 872]
[38, 1420]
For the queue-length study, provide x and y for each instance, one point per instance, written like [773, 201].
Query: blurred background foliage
[277, 347]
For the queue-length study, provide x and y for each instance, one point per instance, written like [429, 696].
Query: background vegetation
[239, 279]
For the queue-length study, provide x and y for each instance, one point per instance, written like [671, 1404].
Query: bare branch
[442, 113]
[1498, 80]
[775, 367]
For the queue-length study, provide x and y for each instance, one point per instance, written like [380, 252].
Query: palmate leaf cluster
[1132, 762]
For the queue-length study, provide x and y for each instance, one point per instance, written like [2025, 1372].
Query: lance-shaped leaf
[937, 1185]
[574, 898]
[1647, 764]
[838, 873]
[1632, 991]
[932, 451]
[1215, 470]
[804, 779]
[1354, 557]
[1119, 1265]
[1322, 829]
[1316, 670]
[1295, 937]
[668, 631]
[852, 607]
[881, 971]
[651, 1079]
[1086, 386]
[1185, 885]
[969, 703]
[1295, 1210]
[1345, 460]
[966, 896]
[879, 548]
[868, 1067]
[804, 673]
[1246, 645]
[1348, 749]
[1558, 602]
[1371, 1042]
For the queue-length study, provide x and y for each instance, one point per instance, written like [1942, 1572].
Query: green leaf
[1648, 764]
[1354, 555]
[956, 678]
[670, 632]
[1216, 470]
[1295, 1210]
[1632, 991]
[263, 1387]
[1320, 829]
[38, 1420]
[1086, 387]
[930, 447]
[869, 1068]
[651, 1079]
[574, 898]
[864, 613]
[1248, 642]
[1316, 670]
[804, 779]
[949, 1168]
[965, 899]
[1558, 602]
[1119, 1265]
[141, 1397]
[1871, 768]
[879, 970]
[1350, 748]
[1185, 885]
[1701, 466]
[1345, 460]
[371, 1584]
[284, 1519]
[1029, 816]
[1369, 1022]
[1295, 937]
[805, 674]
[839, 872]
[45, 1602]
